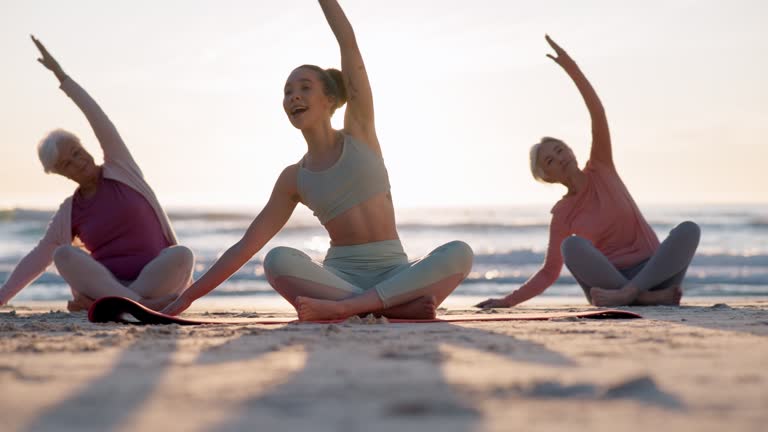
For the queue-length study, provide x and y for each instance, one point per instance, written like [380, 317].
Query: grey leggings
[664, 269]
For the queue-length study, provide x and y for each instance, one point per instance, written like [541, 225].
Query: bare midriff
[371, 221]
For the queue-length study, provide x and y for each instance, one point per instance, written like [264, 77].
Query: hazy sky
[461, 90]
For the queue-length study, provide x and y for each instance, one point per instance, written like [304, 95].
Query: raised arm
[271, 219]
[359, 117]
[111, 143]
[601, 137]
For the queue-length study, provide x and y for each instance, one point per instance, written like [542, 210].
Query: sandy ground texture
[701, 367]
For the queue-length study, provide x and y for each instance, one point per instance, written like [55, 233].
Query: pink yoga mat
[121, 309]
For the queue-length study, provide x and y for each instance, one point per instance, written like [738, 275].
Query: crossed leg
[658, 282]
[592, 269]
[413, 293]
[159, 282]
[670, 262]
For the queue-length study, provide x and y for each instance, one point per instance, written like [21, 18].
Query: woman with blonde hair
[597, 229]
[343, 179]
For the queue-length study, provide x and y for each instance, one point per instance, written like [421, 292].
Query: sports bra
[356, 176]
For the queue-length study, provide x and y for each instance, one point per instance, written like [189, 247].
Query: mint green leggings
[351, 270]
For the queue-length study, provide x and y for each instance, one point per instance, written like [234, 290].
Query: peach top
[604, 213]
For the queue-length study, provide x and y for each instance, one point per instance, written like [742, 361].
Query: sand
[701, 367]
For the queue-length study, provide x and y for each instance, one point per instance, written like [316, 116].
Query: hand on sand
[493, 303]
[563, 59]
[178, 306]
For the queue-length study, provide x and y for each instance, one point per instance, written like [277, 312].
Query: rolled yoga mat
[126, 311]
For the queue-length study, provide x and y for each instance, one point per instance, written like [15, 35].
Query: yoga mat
[121, 309]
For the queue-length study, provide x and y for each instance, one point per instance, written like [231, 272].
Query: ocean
[509, 245]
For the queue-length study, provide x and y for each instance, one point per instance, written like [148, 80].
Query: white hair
[48, 148]
[536, 169]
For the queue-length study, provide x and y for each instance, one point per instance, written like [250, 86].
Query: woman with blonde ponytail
[342, 178]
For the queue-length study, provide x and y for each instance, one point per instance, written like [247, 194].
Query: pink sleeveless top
[119, 227]
[119, 165]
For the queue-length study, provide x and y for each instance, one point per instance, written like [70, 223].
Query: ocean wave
[60, 292]
[504, 261]
[467, 220]
[528, 257]
[24, 215]
[512, 261]
[696, 276]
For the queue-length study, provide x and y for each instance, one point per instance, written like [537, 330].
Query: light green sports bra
[358, 175]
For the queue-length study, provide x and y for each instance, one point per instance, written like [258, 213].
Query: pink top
[604, 213]
[118, 165]
[119, 227]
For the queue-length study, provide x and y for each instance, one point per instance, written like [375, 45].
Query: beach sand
[701, 367]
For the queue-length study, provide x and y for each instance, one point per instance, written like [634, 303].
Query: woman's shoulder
[595, 166]
[356, 139]
[291, 171]
[289, 175]
[558, 224]
[359, 139]
[562, 206]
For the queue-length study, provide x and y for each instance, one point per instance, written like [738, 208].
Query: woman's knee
[63, 256]
[573, 245]
[181, 256]
[281, 260]
[459, 256]
[689, 229]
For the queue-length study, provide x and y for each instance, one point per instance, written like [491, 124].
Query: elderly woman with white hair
[130, 247]
[597, 229]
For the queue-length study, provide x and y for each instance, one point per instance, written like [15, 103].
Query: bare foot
[79, 302]
[668, 297]
[617, 297]
[310, 309]
[420, 308]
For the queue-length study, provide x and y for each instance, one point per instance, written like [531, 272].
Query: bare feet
[420, 308]
[79, 302]
[667, 297]
[617, 297]
[311, 309]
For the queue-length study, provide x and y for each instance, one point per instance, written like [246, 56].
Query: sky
[461, 91]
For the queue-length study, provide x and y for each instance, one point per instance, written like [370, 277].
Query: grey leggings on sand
[383, 266]
[665, 268]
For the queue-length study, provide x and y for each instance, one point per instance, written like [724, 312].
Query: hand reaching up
[47, 60]
[562, 58]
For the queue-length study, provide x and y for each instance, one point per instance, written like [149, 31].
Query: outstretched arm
[359, 117]
[601, 138]
[543, 279]
[111, 143]
[30, 267]
[271, 219]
